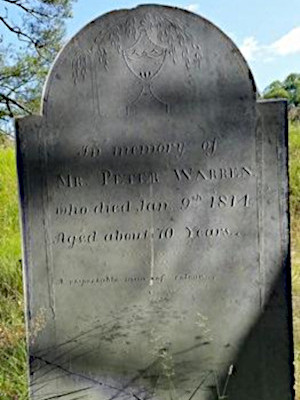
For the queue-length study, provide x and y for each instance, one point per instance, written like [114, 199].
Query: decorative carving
[145, 59]
[79, 67]
[144, 43]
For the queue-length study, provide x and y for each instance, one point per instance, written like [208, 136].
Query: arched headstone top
[169, 56]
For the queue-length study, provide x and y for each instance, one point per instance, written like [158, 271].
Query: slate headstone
[154, 198]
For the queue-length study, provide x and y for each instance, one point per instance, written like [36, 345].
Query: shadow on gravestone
[154, 198]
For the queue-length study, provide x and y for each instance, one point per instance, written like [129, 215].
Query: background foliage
[288, 89]
[31, 35]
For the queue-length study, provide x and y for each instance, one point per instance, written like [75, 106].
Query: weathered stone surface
[154, 197]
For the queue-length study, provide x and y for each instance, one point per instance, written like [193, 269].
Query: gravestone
[154, 198]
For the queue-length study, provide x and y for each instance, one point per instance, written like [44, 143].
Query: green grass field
[13, 371]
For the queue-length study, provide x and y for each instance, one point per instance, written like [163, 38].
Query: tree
[292, 85]
[32, 33]
[288, 89]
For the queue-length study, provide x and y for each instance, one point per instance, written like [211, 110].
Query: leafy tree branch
[32, 34]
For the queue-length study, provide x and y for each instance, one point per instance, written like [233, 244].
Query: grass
[13, 371]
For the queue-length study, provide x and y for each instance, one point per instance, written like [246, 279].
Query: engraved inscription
[118, 236]
[153, 206]
[91, 151]
[112, 208]
[218, 201]
[71, 209]
[108, 177]
[149, 149]
[145, 149]
[74, 240]
[193, 200]
[166, 233]
[194, 277]
[193, 174]
[209, 147]
[159, 233]
[89, 282]
[231, 201]
[69, 181]
[134, 279]
[197, 232]
[103, 208]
